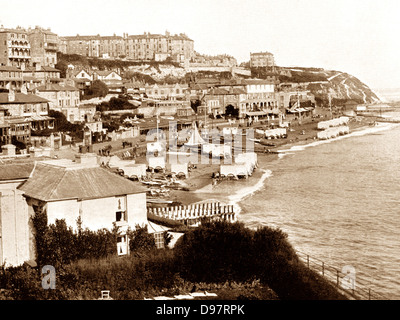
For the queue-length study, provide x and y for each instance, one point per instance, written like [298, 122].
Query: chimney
[11, 95]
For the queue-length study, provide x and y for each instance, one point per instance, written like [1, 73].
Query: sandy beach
[200, 182]
[199, 186]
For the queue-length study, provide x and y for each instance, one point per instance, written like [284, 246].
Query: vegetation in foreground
[226, 258]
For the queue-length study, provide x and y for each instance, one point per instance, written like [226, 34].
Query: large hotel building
[146, 46]
[21, 47]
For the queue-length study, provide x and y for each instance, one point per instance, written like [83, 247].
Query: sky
[359, 37]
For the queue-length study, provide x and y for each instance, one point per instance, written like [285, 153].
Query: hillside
[342, 86]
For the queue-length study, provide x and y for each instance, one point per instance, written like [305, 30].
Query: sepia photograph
[196, 157]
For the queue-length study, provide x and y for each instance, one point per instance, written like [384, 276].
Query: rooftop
[15, 171]
[55, 181]
[56, 87]
[21, 98]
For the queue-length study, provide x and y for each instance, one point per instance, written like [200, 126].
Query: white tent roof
[195, 138]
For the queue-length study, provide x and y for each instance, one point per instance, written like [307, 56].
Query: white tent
[179, 169]
[217, 150]
[195, 139]
[234, 170]
[156, 163]
[135, 170]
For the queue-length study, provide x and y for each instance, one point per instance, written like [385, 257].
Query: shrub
[216, 251]
[222, 251]
[140, 240]
[57, 244]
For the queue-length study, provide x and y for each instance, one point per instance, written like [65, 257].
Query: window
[120, 213]
[159, 240]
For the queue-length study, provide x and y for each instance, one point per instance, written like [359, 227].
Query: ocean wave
[241, 194]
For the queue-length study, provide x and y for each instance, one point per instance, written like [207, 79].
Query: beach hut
[135, 171]
[179, 169]
[156, 163]
[234, 170]
[217, 150]
[249, 159]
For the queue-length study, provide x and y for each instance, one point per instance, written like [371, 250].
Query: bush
[222, 251]
[140, 240]
[215, 252]
[58, 245]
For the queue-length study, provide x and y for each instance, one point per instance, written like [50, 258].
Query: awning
[256, 113]
[38, 118]
[156, 228]
[299, 110]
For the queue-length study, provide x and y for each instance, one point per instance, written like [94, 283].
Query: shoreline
[236, 191]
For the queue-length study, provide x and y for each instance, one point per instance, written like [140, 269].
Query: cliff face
[340, 85]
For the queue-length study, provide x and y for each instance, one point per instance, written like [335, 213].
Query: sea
[337, 200]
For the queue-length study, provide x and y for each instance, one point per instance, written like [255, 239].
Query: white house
[15, 233]
[67, 190]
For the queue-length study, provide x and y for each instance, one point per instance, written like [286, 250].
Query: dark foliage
[97, 89]
[221, 251]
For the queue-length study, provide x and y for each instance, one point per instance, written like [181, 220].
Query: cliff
[340, 85]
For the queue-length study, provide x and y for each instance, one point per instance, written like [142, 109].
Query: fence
[193, 214]
[354, 287]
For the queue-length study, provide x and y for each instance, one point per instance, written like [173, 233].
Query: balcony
[19, 57]
[16, 44]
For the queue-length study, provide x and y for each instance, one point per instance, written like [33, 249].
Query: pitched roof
[54, 183]
[21, 98]
[42, 68]
[56, 87]
[256, 81]
[15, 171]
[9, 68]
[104, 72]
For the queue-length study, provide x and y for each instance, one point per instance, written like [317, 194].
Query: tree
[97, 89]
[231, 111]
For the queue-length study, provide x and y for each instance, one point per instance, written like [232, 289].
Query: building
[219, 99]
[59, 95]
[110, 78]
[5, 129]
[25, 112]
[21, 47]
[151, 109]
[11, 77]
[15, 47]
[68, 190]
[261, 96]
[132, 47]
[39, 75]
[261, 60]
[15, 78]
[16, 235]
[81, 113]
[166, 92]
[44, 46]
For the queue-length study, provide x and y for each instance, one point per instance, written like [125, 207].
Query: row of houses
[144, 47]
